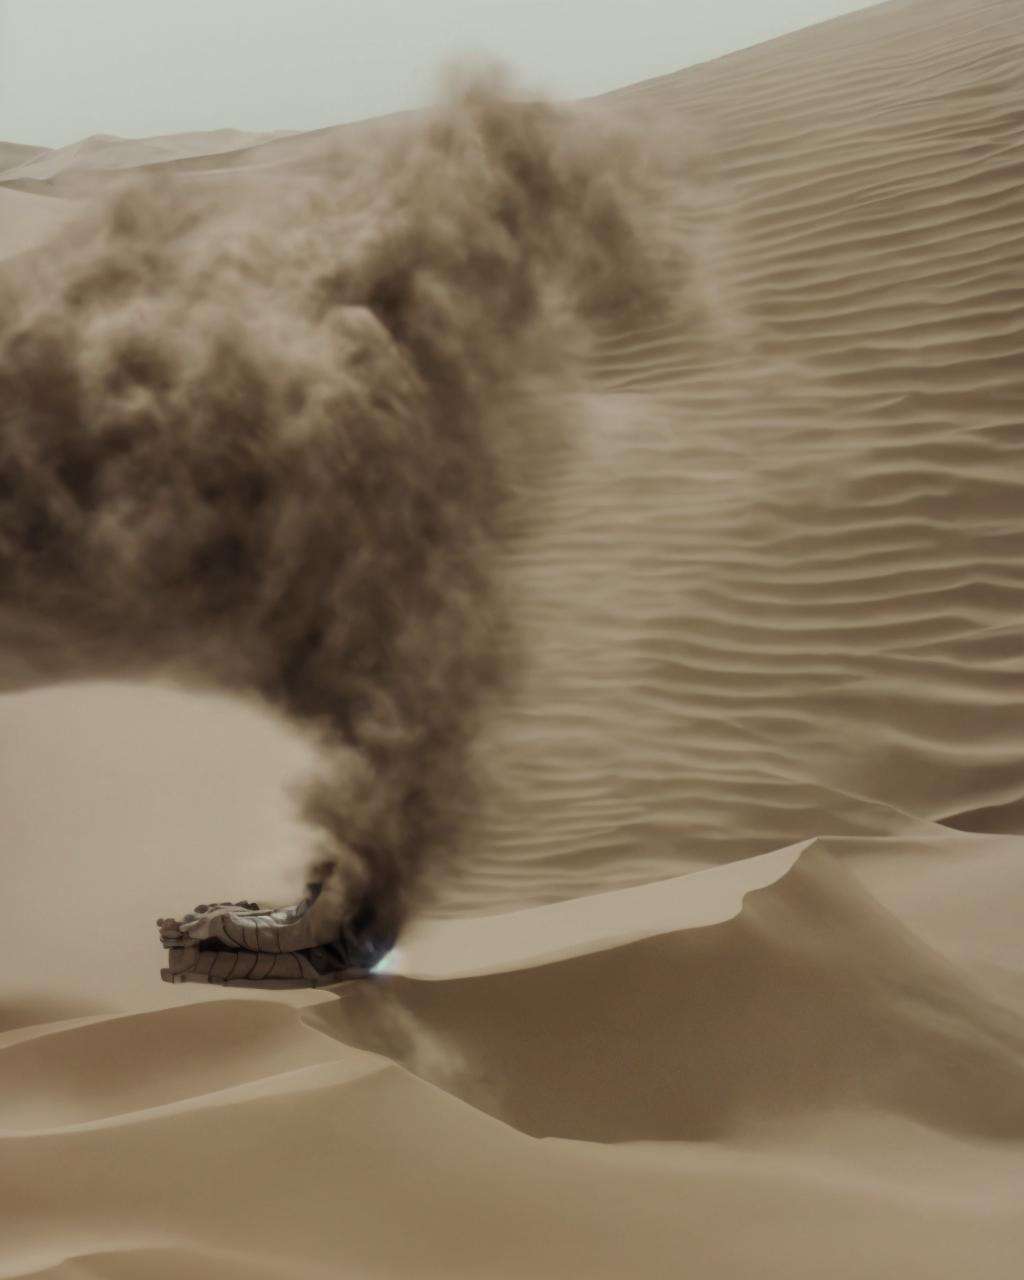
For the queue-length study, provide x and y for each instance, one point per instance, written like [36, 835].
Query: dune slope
[386, 1176]
[798, 1088]
[779, 594]
[811, 998]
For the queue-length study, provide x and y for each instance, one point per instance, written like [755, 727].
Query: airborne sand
[773, 613]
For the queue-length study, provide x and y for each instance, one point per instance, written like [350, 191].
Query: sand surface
[734, 986]
[103, 153]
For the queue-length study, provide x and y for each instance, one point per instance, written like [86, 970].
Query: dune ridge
[107, 153]
[118, 1065]
[807, 1061]
[811, 996]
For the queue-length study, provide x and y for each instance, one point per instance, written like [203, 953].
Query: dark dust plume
[264, 434]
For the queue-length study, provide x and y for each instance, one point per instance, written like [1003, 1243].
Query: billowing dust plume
[265, 434]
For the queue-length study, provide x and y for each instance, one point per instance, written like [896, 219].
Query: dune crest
[811, 997]
[120, 1065]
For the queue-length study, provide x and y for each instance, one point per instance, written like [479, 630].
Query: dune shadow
[813, 997]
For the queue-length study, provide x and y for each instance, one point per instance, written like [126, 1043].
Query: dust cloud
[270, 435]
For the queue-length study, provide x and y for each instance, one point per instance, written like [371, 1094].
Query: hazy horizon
[139, 69]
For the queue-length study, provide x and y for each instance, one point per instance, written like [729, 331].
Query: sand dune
[811, 998]
[28, 221]
[14, 154]
[821, 1088]
[105, 151]
[780, 594]
[121, 1065]
[734, 983]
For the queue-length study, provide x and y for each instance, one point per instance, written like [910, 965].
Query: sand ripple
[779, 589]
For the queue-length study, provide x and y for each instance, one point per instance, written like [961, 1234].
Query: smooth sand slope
[28, 221]
[802, 1087]
[753, 1004]
[103, 153]
[811, 998]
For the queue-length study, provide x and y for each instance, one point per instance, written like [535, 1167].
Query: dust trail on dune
[270, 439]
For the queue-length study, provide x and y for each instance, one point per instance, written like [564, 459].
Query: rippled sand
[756, 975]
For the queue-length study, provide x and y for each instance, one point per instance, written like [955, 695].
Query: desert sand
[733, 986]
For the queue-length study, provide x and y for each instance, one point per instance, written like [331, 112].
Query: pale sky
[71, 68]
